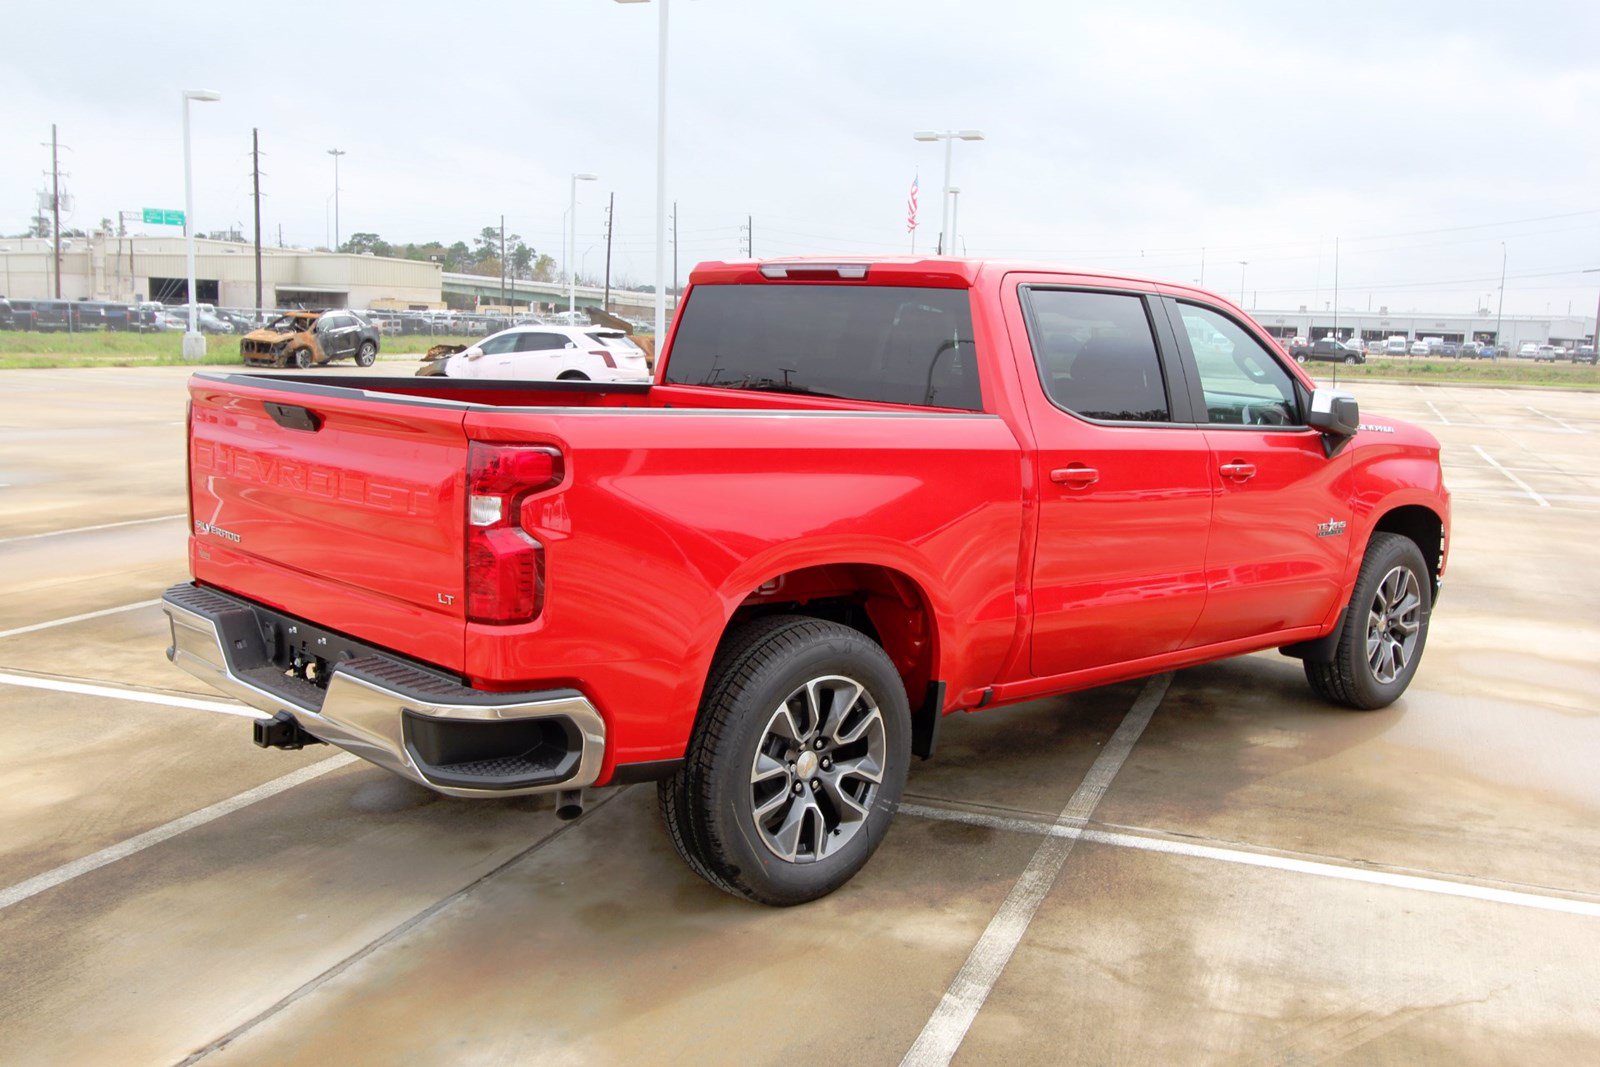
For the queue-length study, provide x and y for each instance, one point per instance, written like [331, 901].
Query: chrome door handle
[1075, 476]
[1239, 471]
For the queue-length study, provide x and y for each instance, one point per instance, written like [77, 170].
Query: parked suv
[1328, 350]
[311, 338]
[1583, 354]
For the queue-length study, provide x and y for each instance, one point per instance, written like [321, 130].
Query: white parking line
[123, 849]
[1321, 869]
[1442, 420]
[947, 1027]
[1567, 426]
[76, 618]
[138, 696]
[89, 529]
[1524, 486]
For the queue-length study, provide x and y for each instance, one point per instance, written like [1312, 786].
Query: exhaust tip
[569, 804]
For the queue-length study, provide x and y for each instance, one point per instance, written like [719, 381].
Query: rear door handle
[1075, 476]
[1239, 471]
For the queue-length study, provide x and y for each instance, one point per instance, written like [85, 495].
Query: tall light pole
[1595, 343]
[572, 241]
[194, 346]
[955, 212]
[1501, 306]
[661, 170]
[949, 137]
[1243, 263]
[336, 153]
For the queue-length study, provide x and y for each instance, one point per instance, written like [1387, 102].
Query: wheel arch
[1423, 526]
[886, 601]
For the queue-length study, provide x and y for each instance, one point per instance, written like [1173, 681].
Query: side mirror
[1334, 413]
[474, 352]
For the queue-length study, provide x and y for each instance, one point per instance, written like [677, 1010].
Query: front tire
[302, 358]
[796, 764]
[368, 355]
[1384, 629]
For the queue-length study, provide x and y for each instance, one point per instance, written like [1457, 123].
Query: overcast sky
[1127, 137]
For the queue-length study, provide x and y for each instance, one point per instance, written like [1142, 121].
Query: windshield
[894, 344]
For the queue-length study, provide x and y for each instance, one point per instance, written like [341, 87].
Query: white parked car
[1395, 346]
[1419, 348]
[1529, 350]
[552, 353]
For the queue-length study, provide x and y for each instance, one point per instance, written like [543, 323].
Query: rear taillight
[603, 354]
[505, 565]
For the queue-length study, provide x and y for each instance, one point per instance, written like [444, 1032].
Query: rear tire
[1384, 629]
[776, 800]
[302, 358]
[368, 355]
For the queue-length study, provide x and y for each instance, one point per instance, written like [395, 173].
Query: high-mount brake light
[505, 565]
[842, 271]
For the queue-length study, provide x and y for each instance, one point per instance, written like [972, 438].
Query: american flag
[911, 208]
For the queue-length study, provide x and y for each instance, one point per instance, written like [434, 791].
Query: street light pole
[335, 153]
[572, 241]
[1243, 263]
[1595, 341]
[194, 345]
[1500, 307]
[947, 235]
[955, 211]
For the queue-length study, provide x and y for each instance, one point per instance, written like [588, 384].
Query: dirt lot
[1265, 879]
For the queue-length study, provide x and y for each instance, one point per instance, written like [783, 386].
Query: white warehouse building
[1511, 331]
[131, 269]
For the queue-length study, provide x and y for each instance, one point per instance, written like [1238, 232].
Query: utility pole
[611, 209]
[502, 261]
[674, 254]
[750, 236]
[55, 204]
[280, 235]
[255, 182]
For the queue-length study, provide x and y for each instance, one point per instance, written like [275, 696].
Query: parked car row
[1353, 351]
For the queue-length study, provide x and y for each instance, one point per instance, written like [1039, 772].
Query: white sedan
[552, 353]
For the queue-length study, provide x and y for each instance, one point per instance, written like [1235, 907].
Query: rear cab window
[881, 343]
[1096, 354]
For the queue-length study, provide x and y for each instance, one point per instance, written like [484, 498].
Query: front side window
[891, 344]
[1243, 384]
[1097, 354]
[496, 346]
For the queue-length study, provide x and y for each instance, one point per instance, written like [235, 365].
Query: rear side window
[540, 342]
[1097, 354]
[893, 344]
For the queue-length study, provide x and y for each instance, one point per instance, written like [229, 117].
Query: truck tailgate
[336, 506]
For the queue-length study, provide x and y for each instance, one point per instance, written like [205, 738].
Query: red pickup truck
[856, 497]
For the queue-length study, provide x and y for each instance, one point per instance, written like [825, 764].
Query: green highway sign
[154, 216]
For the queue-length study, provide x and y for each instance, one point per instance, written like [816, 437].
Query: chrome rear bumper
[420, 724]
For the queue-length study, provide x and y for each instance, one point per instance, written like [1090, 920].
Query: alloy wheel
[1393, 623]
[818, 768]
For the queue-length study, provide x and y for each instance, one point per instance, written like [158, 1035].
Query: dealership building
[132, 269]
[1483, 326]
